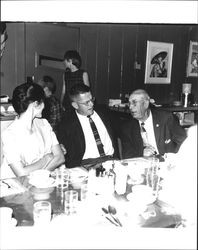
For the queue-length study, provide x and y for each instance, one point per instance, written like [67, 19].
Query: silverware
[110, 212]
[6, 183]
[111, 221]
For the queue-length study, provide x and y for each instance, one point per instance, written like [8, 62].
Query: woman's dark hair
[25, 94]
[74, 56]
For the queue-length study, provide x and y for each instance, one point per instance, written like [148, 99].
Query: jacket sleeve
[132, 145]
[177, 133]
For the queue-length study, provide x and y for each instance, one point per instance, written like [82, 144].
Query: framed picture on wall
[158, 63]
[192, 65]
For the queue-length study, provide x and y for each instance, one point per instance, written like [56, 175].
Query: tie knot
[142, 123]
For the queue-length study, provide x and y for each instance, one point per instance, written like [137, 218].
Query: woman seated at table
[29, 142]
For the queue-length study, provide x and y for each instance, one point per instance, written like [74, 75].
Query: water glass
[121, 178]
[71, 201]
[83, 191]
[152, 175]
[62, 180]
[42, 213]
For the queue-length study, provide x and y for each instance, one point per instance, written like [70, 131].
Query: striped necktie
[97, 137]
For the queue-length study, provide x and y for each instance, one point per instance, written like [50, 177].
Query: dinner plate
[136, 159]
[146, 200]
[49, 183]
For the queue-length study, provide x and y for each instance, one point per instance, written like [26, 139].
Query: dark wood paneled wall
[119, 46]
[109, 53]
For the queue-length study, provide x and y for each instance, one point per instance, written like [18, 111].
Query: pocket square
[167, 141]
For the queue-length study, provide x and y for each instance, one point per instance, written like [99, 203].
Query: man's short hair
[141, 92]
[78, 89]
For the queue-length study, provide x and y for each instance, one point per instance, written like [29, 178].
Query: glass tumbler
[42, 213]
[71, 201]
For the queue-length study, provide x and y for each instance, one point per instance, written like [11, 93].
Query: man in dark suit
[149, 131]
[75, 132]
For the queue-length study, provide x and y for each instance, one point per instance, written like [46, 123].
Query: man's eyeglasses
[134, 102]
[92, 100]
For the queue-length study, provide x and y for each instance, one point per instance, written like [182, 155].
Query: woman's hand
[63, 149]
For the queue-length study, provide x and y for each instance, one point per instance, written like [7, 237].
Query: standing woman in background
[73, 75]
[29, 142]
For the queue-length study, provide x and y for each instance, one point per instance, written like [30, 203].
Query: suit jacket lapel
[156, 126]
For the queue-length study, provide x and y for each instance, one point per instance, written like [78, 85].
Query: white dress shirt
[148, 125]
[91, 150]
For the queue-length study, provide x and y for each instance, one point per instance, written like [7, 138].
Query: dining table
[102, 210]
[23, 200]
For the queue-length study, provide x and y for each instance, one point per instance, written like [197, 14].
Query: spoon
[6, 184]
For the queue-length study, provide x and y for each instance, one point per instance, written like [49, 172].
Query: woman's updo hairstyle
[25, 94]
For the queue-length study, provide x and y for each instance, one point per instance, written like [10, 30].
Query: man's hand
[149, 151]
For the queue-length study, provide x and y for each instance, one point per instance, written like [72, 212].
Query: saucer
[49, 183]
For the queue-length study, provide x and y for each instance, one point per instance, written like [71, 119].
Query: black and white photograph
[98, 116]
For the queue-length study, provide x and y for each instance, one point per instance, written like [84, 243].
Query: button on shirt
[91, 150]
[148, 125]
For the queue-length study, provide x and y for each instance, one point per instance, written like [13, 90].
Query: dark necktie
[97, 137]
[144, 134]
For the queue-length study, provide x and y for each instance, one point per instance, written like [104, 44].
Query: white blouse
[19, 145]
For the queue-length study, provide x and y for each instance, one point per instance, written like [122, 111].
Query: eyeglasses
[135, 102]
[92, 100]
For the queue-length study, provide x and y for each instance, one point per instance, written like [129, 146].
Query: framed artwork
[192, 65]
[158, 63]
[48, 61]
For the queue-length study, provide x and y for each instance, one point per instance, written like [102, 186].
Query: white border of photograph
[192, 66]
[154, 49]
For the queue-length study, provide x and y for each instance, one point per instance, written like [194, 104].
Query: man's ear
[146, 103]
[74, 105]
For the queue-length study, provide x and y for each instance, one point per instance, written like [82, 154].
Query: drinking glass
[62, 180]
[71, 200]
[42, 213]
[152, 175]
[83, 191]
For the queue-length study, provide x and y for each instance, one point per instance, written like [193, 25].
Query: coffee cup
[40, 175]
[6, 214]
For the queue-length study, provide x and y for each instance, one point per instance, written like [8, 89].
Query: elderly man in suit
[75, 131]
[149, 131]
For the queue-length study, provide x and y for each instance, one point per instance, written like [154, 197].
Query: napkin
[10, 187]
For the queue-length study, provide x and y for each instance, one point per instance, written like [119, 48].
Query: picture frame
[48, 61]
[158, 63]
[192, 64]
